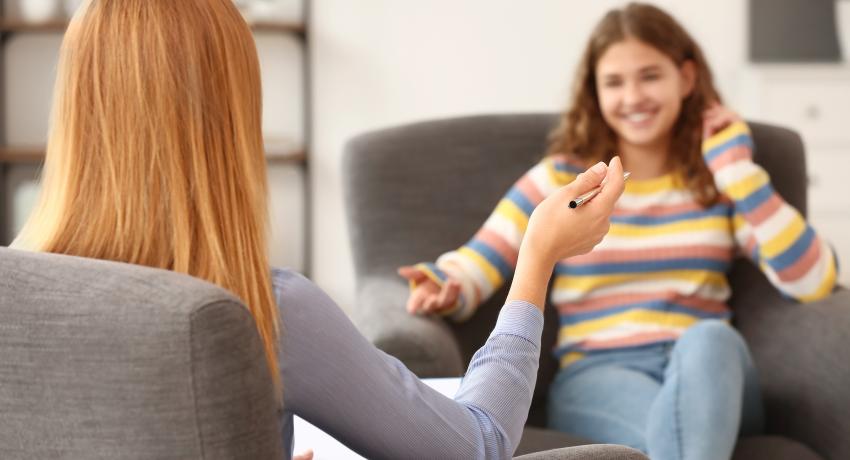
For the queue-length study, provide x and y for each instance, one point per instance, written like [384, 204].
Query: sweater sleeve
[483, 264]
[335, 379]
[767, 229]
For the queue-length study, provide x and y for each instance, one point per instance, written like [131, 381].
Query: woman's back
[155, 154]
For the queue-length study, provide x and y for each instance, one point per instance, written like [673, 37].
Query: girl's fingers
[448, 295]
[711, 127]
[430, 303]
[717, 118]
[708, 129]
[720, 122]
[411, 273]
[414, 302]
[729, 117]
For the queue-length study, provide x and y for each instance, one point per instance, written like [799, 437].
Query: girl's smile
[640, 119]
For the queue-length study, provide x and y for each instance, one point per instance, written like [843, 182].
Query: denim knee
[712, 332]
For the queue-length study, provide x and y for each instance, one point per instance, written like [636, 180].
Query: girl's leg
[710, 390]
[606, 403]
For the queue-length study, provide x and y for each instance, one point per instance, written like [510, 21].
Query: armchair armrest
[800, 351]
[589, 452]
[425, 345]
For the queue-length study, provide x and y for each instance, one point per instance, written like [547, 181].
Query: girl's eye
[612, 83]
[651, 77]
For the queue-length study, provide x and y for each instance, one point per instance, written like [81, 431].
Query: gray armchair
[415, 191]
[101, 360]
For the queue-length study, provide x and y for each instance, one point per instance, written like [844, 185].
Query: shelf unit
[19, 26]
[12, 156]
[21, 155]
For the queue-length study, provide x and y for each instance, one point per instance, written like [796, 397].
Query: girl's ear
[688, 73]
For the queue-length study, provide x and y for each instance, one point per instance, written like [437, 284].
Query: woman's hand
[555, 231]
[717, 118]
[428, 296]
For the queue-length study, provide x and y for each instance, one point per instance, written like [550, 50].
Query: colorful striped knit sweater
[662, 267]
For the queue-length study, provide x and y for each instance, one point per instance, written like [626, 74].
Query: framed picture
[788, 31]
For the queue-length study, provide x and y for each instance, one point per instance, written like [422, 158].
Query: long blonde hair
[155, 154]
[582, 130]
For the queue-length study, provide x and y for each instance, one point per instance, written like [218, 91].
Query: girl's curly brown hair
[583, 132]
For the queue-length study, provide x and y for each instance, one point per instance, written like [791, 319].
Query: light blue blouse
[368, 400]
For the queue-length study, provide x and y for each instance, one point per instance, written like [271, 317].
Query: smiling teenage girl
[648, 358]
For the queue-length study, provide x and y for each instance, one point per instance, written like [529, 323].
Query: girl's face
[641, 91]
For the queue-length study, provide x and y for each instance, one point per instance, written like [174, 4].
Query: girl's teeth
[637, 117]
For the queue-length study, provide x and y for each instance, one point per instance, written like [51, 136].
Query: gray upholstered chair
[415, 191]
[102, 360]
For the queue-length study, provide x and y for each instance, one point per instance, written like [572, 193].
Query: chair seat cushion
[589, 452]
[540, 439]
[772, 448]
[750, 448]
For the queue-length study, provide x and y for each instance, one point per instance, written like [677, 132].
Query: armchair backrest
[107, 360]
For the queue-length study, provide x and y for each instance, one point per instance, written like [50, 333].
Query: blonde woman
[155, 158]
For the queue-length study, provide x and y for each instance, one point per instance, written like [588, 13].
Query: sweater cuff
[432, 272]
[731, 145]
[520, 318]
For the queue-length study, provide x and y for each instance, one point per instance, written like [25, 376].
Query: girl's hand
[716, 119]
[428, 296]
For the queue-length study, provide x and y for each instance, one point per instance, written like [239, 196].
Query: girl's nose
[632, 94]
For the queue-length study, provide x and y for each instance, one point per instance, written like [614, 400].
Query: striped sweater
[662, 267]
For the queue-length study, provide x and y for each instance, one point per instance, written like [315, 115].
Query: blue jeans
[688, 399]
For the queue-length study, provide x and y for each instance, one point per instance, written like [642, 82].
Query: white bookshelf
[28, 57]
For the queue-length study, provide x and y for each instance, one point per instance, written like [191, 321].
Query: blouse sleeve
[335, 379]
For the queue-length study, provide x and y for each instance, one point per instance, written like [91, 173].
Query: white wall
[385, 62]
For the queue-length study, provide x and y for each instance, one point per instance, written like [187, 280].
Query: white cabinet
[814, 100]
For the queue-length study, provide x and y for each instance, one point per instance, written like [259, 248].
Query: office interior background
[335, 68]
